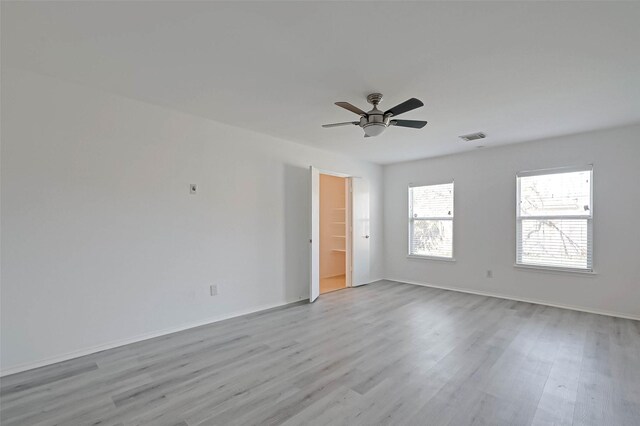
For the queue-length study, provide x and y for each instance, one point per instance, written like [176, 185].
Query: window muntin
[554, 219]
[431, 221]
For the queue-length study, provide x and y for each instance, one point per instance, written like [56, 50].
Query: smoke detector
[473, 136]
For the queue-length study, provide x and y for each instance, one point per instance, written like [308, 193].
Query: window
[431, 221]
[555, 219]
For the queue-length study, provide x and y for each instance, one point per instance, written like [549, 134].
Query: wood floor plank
[386, 353]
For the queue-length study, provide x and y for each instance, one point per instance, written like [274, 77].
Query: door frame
[349, 222]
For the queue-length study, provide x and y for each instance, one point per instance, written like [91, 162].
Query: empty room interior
[320, 213]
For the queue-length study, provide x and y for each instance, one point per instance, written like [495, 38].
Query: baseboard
[521, 299]
[147, 336]
[370, 282]
[139, 338]
[333, 276]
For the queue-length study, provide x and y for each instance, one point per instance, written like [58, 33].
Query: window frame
[589, 218]
[411, 219]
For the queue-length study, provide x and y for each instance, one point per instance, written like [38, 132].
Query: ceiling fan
[375, 121]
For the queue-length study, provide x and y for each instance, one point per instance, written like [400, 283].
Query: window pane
[560, 194]
[560, 243]
[432, 200]
[432, 238]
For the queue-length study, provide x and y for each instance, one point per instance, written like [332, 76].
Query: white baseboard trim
[370, 282]
[521, 299]
[145, 336]
[333, 276]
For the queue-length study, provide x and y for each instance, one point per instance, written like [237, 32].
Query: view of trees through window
[554, 220]
[431, 220]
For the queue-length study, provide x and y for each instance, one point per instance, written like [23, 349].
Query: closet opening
[334, 238]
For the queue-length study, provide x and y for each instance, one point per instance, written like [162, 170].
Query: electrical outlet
[213, 289]
[489, 273]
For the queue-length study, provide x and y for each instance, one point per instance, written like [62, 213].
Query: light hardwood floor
[386, 353]
[332, 283]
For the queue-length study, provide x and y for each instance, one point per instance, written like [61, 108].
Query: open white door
[314, 238]
[361, 226]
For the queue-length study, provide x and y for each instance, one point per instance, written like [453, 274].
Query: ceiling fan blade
[346, 123]
[412, 103]
[352, 108]
[415, 124]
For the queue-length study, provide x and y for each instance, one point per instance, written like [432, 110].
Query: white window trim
[424, 257]
[589, 217]
[554, 170]
[555, 269]
[411, 219]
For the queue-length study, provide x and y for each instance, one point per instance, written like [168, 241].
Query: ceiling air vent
[473, 136]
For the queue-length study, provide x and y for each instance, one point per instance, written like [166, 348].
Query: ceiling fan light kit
[375, 121]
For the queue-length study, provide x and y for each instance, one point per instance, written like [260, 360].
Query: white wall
[484, 229]
[102, 242]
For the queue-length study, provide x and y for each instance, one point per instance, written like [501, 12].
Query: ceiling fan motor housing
[375, 117]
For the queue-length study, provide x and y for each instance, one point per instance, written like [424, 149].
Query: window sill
[552, 270]
[442, 259]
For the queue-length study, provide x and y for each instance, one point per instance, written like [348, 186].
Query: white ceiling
[517, 71]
